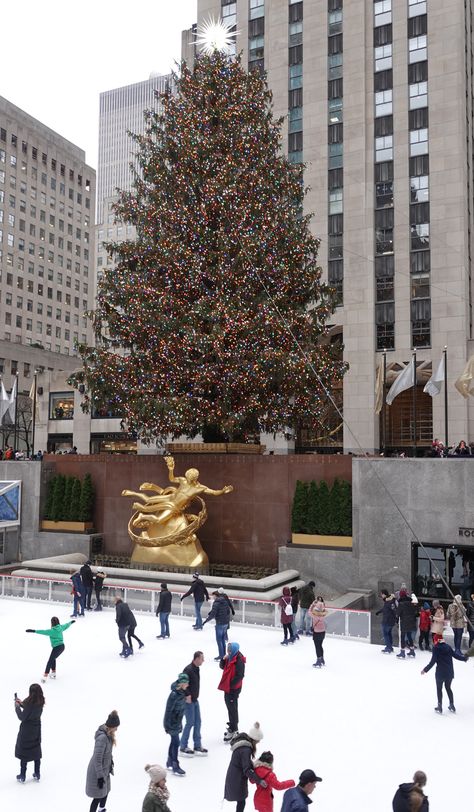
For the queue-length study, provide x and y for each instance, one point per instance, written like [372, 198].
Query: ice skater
[442, 656]
[200, 594]
[55, 634]
[263, 798]
[389, 618]
[410, 796]
[407, 613]
[286, 616]
[88, 583]
[125, 620]
[28, 743]
[98, 587]
[156, 799]
[163, 611]
[437, 622]
[101, 765]
[240, 769]
[233, 665]
[425, 626]
[220, 612]
[173, 720]
[192, 710]
[78, 593]
[318, 612]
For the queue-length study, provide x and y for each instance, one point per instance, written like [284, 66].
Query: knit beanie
[220, 590]
[458, 598]
[426, 605]
[113, 719]
[182, 679]
[255, 732]
[155, 772]
[403, 593]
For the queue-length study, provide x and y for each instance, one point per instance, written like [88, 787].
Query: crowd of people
[462, 449]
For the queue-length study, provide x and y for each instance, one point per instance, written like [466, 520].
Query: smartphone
[16, 695]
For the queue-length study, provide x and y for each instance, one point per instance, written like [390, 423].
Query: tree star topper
[215, 35]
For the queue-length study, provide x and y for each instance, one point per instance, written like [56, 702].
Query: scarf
[162, 793]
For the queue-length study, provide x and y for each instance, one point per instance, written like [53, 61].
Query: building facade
[377, 99]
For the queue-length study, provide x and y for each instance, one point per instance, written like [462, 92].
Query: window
[420, 286]
[335, 201]
[295, 76]
[421, 333]
[384, 240]
[335, 22]
[295, 33]
[417, 49]
[382, 12]
[295, 121]
[418, 95]
[419, 189]
[385, 336]
[61, 406]
[335, 155]
[384, 148]
[384, 289]
[335, 111]
[420, 236]
[335, 66]
[383, 57]
[383, 103]
[420, 262]
[418, 142]
[383, 194]
[416, 7]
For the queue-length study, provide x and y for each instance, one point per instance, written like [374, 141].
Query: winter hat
[155, 772]
[255, 732]
[113, 719]
[426, 605]
[436, 603]
[182, 679]
[458, 598]
[220, 591]
[414, 599]
[267, 757]
[307, 777]
[311, 583]
[234, 649]
[403, 593]
[163, 586]
[196, 575]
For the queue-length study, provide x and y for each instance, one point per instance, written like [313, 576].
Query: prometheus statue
[161, 530]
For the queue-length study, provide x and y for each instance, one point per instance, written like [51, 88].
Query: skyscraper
[378, 102]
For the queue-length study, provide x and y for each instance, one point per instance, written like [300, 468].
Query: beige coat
[437, 624]
[456, 615]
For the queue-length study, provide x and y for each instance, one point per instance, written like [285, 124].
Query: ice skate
[200, 751]
[229, 734]
[53, 675]
[401, 656]
[318, 663]
[186, 751]
[177, 770]
[452, 708]
[20, 778]
[411, 653]
[36, 776]
[439, 709]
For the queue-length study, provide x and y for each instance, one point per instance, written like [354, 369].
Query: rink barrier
[350, 624]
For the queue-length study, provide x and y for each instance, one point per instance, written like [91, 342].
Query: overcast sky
[58, 55]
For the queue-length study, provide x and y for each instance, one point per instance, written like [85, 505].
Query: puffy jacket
[240, 769]
[425, 620]
[55, 634]
[456, 615]
[307, 596]
[174, 711]
[164, 604]
[220, 611]
[101, 764]
[28, 743]
[318, 612]
[402, 798]
[442, 657]
[263, 798]
[407, 612]
[388, 611]
[234, 672]
[124, 615]
[198, 591]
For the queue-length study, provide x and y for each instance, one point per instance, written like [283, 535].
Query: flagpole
[445, 353]
[15, 429]
[384, 408]
[34, 417]
[414, 402]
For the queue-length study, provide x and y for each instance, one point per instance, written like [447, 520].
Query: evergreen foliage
[48, 508]
[313, 508]
[324, 509]
[87, 500]
[300, 508]
[69, 500]
[57, 507]
[320, 510]
[75, 508]
[66, 511]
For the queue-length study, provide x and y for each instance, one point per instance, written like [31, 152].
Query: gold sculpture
[161, 530]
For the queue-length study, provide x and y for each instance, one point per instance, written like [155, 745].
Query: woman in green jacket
[55, 634]
[156, 799]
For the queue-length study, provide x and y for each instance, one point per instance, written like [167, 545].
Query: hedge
[320, 510]
[69, 499]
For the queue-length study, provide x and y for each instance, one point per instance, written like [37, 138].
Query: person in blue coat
[79, 595]
[442, 656]
[297, 799]
[173, 720]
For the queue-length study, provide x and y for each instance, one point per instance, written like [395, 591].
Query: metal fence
[347, 623]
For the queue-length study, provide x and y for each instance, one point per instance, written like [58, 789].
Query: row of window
[335, 150]
[256, 34]
[72, 193]
[45, 291]
[295, 81]
[44, 158]
[52, 273]
[28, 323]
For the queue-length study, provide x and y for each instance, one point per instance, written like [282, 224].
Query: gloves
[204, 622]
[263, 784]
[181, 599]
[100, 783]
[32, 631]
[73, 621]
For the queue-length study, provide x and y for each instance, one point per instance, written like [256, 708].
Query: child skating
[55, 634]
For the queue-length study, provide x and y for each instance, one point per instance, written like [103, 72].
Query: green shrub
[324, 509]
[66, 511]
[75, 507]
[87, 499]
[300, 508]
[312, 522]
[346, 509]
[58, 499]
[48, 508]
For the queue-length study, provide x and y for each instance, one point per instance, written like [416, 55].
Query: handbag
[288, 609]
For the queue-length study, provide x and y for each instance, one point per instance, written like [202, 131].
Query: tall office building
[47, 207]
[378, 102]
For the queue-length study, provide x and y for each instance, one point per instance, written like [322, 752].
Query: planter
[67, 527]
[215, 448]
[308, 540]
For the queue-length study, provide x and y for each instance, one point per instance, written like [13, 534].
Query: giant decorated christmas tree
[215, 314]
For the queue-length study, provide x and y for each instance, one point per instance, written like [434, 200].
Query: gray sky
[58, 55]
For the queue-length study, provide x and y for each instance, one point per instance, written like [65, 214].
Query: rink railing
[352, 624]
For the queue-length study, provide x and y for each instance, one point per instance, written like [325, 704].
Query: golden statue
[161, 530]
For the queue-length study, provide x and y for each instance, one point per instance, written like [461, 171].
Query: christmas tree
[215, 315]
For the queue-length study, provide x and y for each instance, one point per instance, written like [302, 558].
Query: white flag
[404, 380]
[433, 387]
[464, 383]
[4, 402]
[12, 401]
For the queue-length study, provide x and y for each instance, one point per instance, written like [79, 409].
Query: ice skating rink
[365, 723]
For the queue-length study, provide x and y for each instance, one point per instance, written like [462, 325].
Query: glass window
[335, 156]
[334, 66]
[385, 336]
[420, 286]
[382, 12]
[421, 333]
[384, 240]
[383, 103]
[420, 236]
[418, 142]
[295, 31]
[384, 148]
[295, 76]
[335, 22]
[335, 201]
[418, 95]
[335, 111]
[61, 406]
[383, 57]
[417, 49]
[295, 123]
[384, 195]
[416, 7]
[419, 189]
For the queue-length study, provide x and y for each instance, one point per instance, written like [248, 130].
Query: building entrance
[454, 563]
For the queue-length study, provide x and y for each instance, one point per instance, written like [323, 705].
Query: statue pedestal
[173, 555]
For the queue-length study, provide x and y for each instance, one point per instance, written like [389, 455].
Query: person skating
[221, 592]
[156, 799]
[389, 618]
[286, 616]
[297, 799]
[125, 620]
[295, 601]
[28, 743]
[192, 710]
[173, 720]
[233, 665]
[425, 626]
[220, 612]
[318, 612]
[407, 613]
[200, 594]
[98, 586]
[78, 595]
[131, 633]
[163, 611]
[101, 765]
[88, 584]
[263, 798]
[55, 634]
[410, 797]
[240, 769]
[306, 596]
[457, 621]
[442, 656]
[437, 621]
[470, 618]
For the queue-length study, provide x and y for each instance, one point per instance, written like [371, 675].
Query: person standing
[173, 720]
[294, 605]
[318, 612]
[192, 710]
[99, 585]
[101, 765]
[470, 617]
[263, 798]
[297, 799]
[221, 592]
[437, 622]
[28, 743]
[442, 656]
[233, 665]
[424, 627]
[456, 620]
[163, 611]
[306, 595]
[156, 799]
[240, 769]
[124, 619]
[406, 613]
[88, 584]
[389, 618]
[78, 593]
[55, 634]
[286, 616]
[220, 612]
[200, 594]
[410, 797]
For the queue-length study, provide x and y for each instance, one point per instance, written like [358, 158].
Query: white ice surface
[365, 723]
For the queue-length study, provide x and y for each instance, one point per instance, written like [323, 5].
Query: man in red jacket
[233, 665]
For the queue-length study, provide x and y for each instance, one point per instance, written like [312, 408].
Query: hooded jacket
[407, 612]
[124, 615]
[284, 601]
[233, 666]
[174, 711]
[318, 612]
[220, 611]
[456, 615]
[101, 764]
[263, 798]
[402, 800]
[306, 595]
[240, 769]
[388, 611]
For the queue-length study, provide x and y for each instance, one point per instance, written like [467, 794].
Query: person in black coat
[125, 620]
[88, 583]
[173, 720]
[389, 618]
[78, 595]
[442, 656]
[99, 585]
[163, 611]
[407, 613]
[200, 594]
[28, 743]
[243, 747]
[411, 796]
[220, 612]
